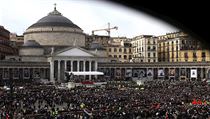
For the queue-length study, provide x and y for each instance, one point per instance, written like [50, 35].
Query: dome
[55, 30]
[31, 43]
[54, 18]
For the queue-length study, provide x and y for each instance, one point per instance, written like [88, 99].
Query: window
[125, 56]
[115, 56]
[148, 42]
[115, 49]
[154, 48]
[120, 50]
[125, 50]
[185, 55]
[148, 48]
[148, 60]
[154, 60]
[148, 54]
[119, 56]
[154, 54]
[110, 49]
[203, 54]
[194, 55]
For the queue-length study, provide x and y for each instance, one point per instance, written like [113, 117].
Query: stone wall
[56, 36]
[31, 51]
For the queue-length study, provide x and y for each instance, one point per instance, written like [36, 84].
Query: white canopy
[86, 73]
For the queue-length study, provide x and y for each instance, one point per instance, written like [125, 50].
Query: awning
[85, 73]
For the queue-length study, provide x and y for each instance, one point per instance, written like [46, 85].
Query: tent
[85, 73]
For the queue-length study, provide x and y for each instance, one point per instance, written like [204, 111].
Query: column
[65, 69]
[52, 71]
[59, 71]
[90, 69]
[96, 67]
[71, 65]
[84, 67]
[77, 65]
[201, 76]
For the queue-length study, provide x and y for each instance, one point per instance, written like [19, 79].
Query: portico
[72, 59]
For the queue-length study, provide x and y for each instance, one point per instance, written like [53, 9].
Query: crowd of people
[153, 100]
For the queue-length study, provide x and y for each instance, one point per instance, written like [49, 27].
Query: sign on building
[172, 72]
[150, 73]
[128, 73]
[16, 73]
[193, 73]
[161, 73]
[26, 73]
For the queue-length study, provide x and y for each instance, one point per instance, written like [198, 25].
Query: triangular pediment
[77, 52]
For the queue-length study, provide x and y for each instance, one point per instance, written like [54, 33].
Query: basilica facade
[54, 46]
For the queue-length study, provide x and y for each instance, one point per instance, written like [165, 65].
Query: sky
[18, 15]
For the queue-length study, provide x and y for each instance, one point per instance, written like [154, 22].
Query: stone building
[120, 49]
[180, 47]
[145, 48]
[52, 47]
[5, 47]
[16, 40]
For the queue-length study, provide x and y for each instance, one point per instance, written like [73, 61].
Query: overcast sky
[18, 15]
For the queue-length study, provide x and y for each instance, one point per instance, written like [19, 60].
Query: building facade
[16, 41]
[145, 48]
[180, 47]
[5, 48]
[121, 49]
[102, 40]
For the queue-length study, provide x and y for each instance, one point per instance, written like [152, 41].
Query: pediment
[77, 52]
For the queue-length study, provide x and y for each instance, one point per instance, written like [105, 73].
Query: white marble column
[65, 69]
[51, 71]
[90, 69]
[59, 71]
[96, 68]
[71, 65]
[78, 65]
[84, 67]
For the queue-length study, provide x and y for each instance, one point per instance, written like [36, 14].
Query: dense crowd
[154, 100]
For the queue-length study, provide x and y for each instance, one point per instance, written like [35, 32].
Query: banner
[128, 73]
[107, 72]
[118, 72]
[6, 74]
[183, 72]
[150, 73]
[135, 72]
[36, 73]
[193, 73]
[1, 73]
[142, 73]
[161, 73]
[26, 73]
[16, 73]
[208, 74]
[172, 72]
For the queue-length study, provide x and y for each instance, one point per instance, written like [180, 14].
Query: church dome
[54, 18]
[55, 30]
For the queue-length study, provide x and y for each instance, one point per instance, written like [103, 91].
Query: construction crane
[107, 29]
